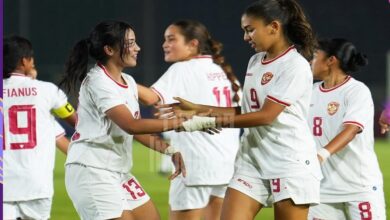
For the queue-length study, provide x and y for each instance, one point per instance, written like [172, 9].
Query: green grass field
[145, 169]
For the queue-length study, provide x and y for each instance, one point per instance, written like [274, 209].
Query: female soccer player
[341, 118]
[199, 74]
[62, 142]
[98, 178]
[30, 133]
[277, 162]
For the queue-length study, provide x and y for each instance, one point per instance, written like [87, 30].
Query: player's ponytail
[15, 48]
[350, 59]
[295, 25]
[107, 33]
[216, 49]
[76, 65]
[191, 29]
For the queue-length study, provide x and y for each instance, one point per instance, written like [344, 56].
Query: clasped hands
[196, 118]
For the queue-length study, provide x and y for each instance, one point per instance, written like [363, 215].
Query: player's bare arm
[146, 95]
[342, 139]
[121, 116]
[156, 143]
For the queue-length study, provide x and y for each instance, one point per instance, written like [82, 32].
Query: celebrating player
[341, 118]
[277, 162]
[30, 133]
[97, 177]
[199, 74]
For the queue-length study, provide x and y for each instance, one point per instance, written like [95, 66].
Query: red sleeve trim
[159, 94]
[60, 135]
[354, 123]
[278, 101]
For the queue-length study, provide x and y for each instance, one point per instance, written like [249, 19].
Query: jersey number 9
[22, 122]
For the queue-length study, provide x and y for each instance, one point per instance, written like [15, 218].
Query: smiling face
[257, 33]
[175, 46]
[131, 49]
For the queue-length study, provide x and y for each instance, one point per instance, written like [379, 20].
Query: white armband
[170, 150]
[324, 154]
[198, 123]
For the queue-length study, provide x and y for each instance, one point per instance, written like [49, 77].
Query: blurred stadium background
[54, 26]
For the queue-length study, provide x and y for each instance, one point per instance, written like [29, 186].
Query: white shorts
[31, 209]
[302, 189]
[372, 207]
[183, 197]
[102, 194]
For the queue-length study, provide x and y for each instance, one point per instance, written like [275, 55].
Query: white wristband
[170, 150]
[324, 154]
[198, 123]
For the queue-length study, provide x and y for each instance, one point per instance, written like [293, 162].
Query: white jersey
[98, 142]
[29, 151]
[286, 147]
[353, 170]
[209, 159]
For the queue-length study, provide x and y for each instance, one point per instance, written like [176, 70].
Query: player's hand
[182, 108]
[180, 168]
[384, 122]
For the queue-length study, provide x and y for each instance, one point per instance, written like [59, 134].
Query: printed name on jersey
[333, 107]
[266, 78]
[216, 76]
[17, 92]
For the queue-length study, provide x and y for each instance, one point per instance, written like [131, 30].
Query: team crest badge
[266, 78]
[333, 107]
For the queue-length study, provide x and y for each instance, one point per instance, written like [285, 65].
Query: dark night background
[54, 26]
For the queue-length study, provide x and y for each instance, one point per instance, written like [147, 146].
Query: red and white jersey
[98, 142]
[209, 159]
[285, 148]
[29, 150]
[353, 170]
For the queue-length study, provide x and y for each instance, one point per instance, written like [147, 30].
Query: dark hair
[350, 59]
[14, 50]
[106, 33]
[295, 25]
[191, 29]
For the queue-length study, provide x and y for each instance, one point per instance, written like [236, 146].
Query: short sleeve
[104, 94]
[359, 106]
[294, 80]
[58, 97]
[168, 84]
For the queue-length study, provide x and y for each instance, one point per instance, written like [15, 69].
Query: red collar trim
[279, 56]
[107, 74]
[339, 85]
